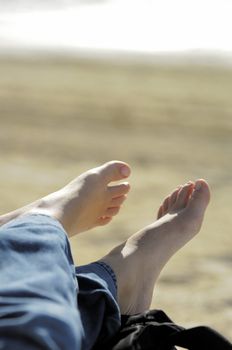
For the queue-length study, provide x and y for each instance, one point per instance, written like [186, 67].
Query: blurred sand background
[171, 123]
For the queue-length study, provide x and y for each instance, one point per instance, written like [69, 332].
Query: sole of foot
[138, 262]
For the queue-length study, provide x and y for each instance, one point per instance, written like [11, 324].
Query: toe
[114, 171]
[103, 220]
[112, 211]
[119, 190]
[184, 195]
[160, 212]
[116, 202]
[168, 203]
[165, 205]
[200, 196]
[173, 196]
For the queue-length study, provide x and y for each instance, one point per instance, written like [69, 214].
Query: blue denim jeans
[45, 301]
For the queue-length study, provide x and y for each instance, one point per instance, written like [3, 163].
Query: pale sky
[128, 25]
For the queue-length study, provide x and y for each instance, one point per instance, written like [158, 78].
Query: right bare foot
[138, 262]
[84, 203]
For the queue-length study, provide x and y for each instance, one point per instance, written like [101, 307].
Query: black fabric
[154, 330]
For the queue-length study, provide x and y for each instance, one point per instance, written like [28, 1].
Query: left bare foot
[84, 203]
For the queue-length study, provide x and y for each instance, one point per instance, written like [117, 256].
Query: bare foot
[138, 262]
[84, 203]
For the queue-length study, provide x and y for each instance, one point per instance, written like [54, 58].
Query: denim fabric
[97, 293]
[45, 302]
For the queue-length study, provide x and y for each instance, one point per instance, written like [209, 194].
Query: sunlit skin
[86, 202]
[139, 261]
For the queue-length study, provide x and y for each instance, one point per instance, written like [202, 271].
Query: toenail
[198, 185]
[125, 171]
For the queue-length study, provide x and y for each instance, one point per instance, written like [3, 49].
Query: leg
[145, 253]
[38, 308]
[45, 303]
[38, 290]
[84, 203]
[97, 304]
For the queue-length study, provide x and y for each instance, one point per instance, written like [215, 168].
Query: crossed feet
[90, 200]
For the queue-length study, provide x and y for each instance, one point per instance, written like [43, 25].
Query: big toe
[114, 171]
[200, 197]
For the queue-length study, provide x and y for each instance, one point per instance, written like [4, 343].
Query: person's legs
[45, 302]
[138, 262]
[97, 303]
[38, 308]
[39, 284]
